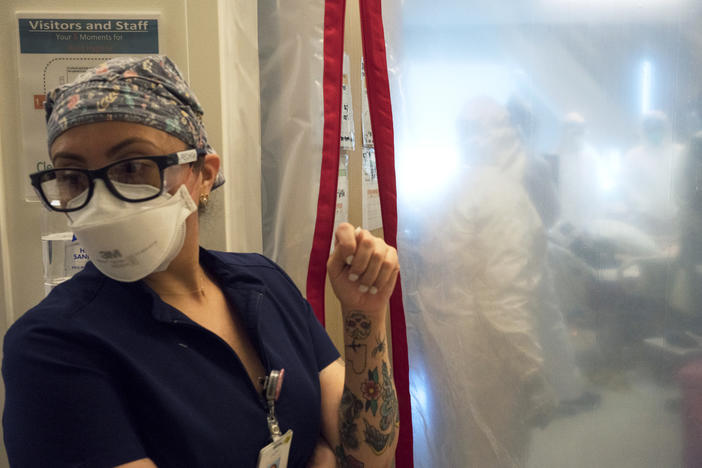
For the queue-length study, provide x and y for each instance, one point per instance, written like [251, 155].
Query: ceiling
[454, 13]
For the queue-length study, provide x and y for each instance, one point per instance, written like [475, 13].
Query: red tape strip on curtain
[380, 109]
[334, 11]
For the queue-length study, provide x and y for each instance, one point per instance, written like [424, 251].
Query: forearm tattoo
[346, 461]
[358, 327]
[376, 396]
[350, 410]
[380, 438]
[379, 347]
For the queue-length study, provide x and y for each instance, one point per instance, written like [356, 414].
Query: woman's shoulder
[243, 259]
[252, 265]
[59, 313]
[253, 270]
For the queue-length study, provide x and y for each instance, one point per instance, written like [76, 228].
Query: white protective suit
[649, 173]
[578, 172]
[477, 300]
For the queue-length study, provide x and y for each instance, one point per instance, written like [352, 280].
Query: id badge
[275, 454]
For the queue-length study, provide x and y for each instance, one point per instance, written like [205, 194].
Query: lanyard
[271, 391]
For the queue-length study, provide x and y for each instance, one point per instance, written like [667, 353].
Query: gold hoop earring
[204, 200]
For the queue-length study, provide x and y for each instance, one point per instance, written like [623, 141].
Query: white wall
[214, 42]
[5, 297]
[241, 117]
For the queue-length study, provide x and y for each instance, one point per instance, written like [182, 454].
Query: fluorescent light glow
[646, 83]
[609, 170]
[424, 171]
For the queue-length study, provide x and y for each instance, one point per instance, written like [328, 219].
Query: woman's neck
[169, 283]
[184, 276]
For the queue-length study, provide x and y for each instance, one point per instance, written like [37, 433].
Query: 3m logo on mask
[110, 254]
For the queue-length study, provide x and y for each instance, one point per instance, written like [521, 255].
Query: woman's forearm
[363, 271]
[368, 414]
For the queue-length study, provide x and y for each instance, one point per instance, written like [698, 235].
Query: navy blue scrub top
[102, 373]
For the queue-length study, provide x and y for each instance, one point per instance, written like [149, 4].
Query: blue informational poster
[88, 36]
[55, 49]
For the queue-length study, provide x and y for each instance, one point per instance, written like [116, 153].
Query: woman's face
[95, 145]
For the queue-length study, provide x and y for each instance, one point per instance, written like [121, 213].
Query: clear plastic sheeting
[292, 119]
[549, 174]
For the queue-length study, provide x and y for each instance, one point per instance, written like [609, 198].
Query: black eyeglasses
[133, 180]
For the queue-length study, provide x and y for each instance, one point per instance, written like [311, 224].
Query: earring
[204, 199]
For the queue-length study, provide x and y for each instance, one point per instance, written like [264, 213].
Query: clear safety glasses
[133, 180]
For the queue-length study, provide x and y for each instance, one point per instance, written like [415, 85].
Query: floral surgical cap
[145, 90]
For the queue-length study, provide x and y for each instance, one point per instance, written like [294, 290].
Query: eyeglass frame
[163, 162]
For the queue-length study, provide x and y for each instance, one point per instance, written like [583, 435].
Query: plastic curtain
[300, 109]
[549, 224]
[326, 203]
[291, 55]
[381, 114]
[380, 107]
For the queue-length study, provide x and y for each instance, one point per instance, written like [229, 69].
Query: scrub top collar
[241, 287]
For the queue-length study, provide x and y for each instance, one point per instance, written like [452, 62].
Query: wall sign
[348, 141]
[370, 194]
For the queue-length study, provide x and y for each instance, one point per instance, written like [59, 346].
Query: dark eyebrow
[68, 155]
[111, 153]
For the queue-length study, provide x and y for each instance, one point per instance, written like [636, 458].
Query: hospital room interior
[537, 164]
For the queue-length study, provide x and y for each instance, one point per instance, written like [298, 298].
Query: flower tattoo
[371, 391]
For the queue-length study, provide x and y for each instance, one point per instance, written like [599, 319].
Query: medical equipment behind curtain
[547, 173]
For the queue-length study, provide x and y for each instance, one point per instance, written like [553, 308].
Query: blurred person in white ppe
[649, 170]
[560, 367]
[539, 180]
[578, 169]
[479, 295]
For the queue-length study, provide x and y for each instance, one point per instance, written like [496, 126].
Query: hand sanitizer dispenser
[61, 252]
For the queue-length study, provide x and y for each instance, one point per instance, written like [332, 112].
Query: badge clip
[271, 391]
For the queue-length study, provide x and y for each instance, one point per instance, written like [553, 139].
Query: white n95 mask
[129, 241]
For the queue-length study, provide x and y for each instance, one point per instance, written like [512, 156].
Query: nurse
[162, 353]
